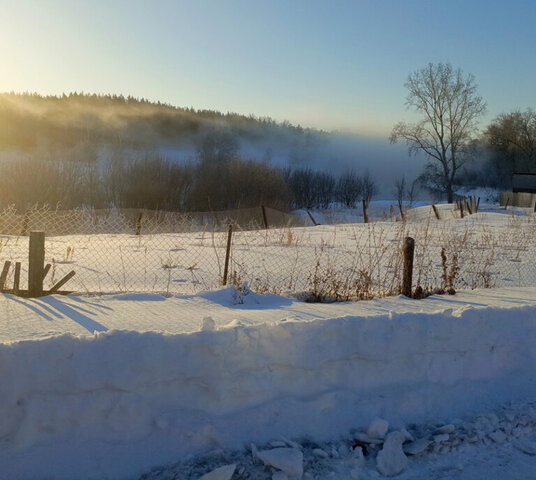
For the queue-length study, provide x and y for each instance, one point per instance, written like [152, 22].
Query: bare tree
[368, 188]
[348, 189]
[400, 189]
[450, 108]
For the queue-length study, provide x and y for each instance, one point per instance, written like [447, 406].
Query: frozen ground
[170, 379]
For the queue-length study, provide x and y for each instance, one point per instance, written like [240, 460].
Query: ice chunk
[391, 459]
[526, 445]
[417, 447]
[378, 428]
[497, 436]
[221, 473]
[446, 429]
[208, 324]
[288, 460]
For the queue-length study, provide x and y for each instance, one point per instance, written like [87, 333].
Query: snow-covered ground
[166, 380]
[228, 384]
[491, 248]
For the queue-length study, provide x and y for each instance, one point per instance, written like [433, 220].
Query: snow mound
[115, 404]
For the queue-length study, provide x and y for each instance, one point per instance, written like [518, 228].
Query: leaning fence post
[312, 219]
[36, 263]
[365, 217]
[227, 254]
[407, 273]
[436, 213]
[3, 275]
[400, 208]
[468, 207]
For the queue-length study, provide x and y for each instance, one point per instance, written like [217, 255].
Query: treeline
[153, 182]
[31, 121]
[507, 146]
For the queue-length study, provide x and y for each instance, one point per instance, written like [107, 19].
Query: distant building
[524, 183]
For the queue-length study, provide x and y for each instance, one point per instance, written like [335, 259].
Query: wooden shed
[524, 183]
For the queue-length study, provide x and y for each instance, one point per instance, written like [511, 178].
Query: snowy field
[230, 384]
[494, 248]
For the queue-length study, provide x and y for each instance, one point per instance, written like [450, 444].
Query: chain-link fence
[176, 253]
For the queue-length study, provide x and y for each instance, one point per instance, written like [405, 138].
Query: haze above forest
[87, 127]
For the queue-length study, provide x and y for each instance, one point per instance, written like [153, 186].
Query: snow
[140, 385]
[114, 403]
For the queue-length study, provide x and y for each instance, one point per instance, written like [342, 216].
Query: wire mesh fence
[179, 254]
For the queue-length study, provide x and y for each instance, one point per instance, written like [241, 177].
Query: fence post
[400, 208]
[264, 218]
[138, 223]
[3, 275]
[312, 219]
[365, 217]
[36, 264]
[25, 223]
[407, 273]
[468, 207]
[227, 254]
[16, 279]
[436, 213]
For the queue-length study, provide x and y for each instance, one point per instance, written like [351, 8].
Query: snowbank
[117, 403]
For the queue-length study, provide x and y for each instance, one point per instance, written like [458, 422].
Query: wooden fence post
[436, 213]
[468, 207]
[16, 279]
[365, 217]
[3, 275]
[36, 264]
[138, 223]
[25, 223]
[227, 254]
[402, 216]
[312, 219]
[407, 273]
[264, 218]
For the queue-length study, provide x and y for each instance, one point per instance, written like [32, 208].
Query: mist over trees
[31, 121]
[104, 150]
[153, 182]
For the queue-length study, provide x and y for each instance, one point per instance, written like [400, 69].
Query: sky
[335, 65]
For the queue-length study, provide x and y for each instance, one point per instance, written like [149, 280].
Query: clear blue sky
[328, 64]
